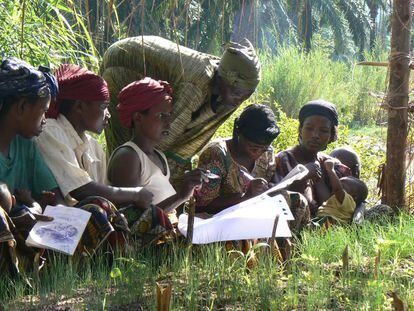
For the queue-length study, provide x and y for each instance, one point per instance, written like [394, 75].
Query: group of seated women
[47, 157]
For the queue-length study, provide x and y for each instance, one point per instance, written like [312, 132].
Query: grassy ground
[206, 278]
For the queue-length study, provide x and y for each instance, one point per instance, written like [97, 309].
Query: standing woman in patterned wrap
[25, 94]
[207, 90]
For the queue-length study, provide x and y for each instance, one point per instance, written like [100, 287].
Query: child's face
[350, 188]
[6, 199]
[349, 159]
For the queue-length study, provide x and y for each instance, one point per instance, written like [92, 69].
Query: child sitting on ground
[347, 193]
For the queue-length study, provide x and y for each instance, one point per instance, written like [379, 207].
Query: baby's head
[356, 188]
[349, 157]
[7, 200]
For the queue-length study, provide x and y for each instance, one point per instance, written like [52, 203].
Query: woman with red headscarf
[78, 162]
[145, 106]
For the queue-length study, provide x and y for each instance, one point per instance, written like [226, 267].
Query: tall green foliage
[81, 30]
[292, 78]
[56, 31]
[45, 32]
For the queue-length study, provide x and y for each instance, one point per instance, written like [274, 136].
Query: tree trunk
[306, 26]
[373, 13]
[398, 102]
[245, 22]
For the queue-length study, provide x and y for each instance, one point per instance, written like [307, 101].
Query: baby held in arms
[347, 193]
[21, 205]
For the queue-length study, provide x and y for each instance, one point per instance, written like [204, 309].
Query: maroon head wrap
[77, 83]
[141, 95]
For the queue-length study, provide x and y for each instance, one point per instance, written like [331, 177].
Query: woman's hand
[315, 172]
[143, 198]
[192, 181]
[26, 221]
[41, 217]
[48, 198]
[329, 164]
[257, 186]
[24, 196]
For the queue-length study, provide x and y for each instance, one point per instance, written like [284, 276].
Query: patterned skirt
[300, 210]
[115, 226]
[107, 226]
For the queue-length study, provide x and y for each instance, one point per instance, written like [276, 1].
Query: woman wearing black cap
[245, 165]
[318, 126]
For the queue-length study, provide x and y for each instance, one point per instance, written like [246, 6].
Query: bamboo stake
[276, 222]
[398, 303]
[377, 264]
[190, 221]
[288, 249]
[163, 296]
[397, 98]
[276, 252]
[274, 247]
[345, 259]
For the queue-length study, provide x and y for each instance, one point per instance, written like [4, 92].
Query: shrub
[292, 78]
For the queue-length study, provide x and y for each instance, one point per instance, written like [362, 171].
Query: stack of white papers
[63, 233]
[251, 219]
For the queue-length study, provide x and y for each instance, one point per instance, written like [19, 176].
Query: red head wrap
[77, 83]
[141, 95]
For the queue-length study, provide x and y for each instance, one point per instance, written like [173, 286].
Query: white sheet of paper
[63, 233]
[299, 172]
[251, 219]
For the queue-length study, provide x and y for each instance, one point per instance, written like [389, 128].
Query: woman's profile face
[96, 116]
[252, 149]
[315, 133]
[32, 116]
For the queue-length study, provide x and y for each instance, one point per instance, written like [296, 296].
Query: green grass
[206, 278]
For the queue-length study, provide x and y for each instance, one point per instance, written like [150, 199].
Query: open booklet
[250, 219]
[63, 233]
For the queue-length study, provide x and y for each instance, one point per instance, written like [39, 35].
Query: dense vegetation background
[308, 47]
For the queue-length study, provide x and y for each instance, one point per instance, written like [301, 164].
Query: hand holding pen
[193, 181]
[255, 186]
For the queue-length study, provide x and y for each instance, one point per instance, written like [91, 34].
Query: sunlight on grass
[207, 277]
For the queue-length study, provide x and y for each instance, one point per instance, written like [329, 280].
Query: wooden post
[274, 247]
[377, 264]
[190, 221]
[273, 238]
[398, 303]
[397, 100]
[163, 295]
[345, 259]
